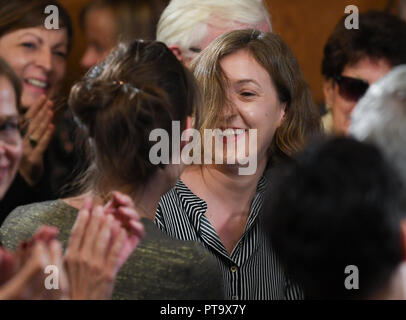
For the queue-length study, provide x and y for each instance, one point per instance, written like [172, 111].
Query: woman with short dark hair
[354, 59]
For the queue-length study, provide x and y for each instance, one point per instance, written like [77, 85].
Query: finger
[46, 233]
[38, 129]
[103, 240]
[137, 228]
[95, 221]
[33, 110]
[122, 199]
[43, 142]
[129, 213]
[55, 260]
[79, 228]
[39, 119]
[55, 252]
[113, 260]
[118, 199]
[39, 256]
[7, 265]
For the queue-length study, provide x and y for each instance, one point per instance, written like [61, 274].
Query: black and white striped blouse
[252, 271]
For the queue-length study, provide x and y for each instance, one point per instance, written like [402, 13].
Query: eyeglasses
[10, 132]
[351, 89]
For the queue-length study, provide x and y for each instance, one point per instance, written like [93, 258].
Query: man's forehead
[215, 29]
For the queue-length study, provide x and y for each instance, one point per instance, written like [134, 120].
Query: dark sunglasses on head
[351, 89]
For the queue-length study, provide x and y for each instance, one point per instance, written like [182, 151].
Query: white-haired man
[189, 26]
[380, 118]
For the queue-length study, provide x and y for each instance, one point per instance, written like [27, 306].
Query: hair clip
[94, 72]
[127, 87]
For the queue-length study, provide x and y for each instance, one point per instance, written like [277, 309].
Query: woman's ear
[328, 90]
[177, 51]
[283, 114]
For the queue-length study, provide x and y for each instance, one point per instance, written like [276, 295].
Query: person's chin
[30, 98]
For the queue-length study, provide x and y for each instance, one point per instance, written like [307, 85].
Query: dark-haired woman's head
[10, 138]
[338, 205]
[141, 86]
[36, 54]
[356, 58]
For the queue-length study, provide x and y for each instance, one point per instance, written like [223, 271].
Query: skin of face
[365, 69]
[215, 28]
[254, 104]
[100, 31]
[39, 55]
[10, 154]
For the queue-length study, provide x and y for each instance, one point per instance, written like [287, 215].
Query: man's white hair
[184, 22]
[380, 118]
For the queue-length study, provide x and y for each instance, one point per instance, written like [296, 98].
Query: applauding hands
[101, 241]
[23, 273]
[39, 131]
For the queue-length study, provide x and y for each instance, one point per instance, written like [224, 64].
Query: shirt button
[233, 269]
[234, 297]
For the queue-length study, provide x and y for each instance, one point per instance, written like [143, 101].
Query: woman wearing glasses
[21, 273]
[356, 58]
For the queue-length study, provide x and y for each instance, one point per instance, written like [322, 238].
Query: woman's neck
[145, 197]
[233, 190]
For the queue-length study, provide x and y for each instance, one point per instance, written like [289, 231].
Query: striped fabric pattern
[252, 271]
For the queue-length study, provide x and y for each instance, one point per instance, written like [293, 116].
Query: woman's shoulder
[172, 268]
[23, 221]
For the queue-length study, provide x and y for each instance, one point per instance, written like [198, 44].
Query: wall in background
[304, 24]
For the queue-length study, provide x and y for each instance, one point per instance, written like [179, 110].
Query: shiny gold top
[161, 268]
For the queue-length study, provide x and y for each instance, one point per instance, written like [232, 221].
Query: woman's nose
[229, 112]
[3, 158]
[44, 59]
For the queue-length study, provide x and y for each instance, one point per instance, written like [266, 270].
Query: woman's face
[38, 57]
[100, 30]
[367, 70]
[254, 105]
[10, 138]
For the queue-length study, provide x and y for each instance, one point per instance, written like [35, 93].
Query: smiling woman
[37, 55]
[38, 58]
[250, 80]
[10, 138]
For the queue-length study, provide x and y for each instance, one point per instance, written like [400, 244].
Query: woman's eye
[61, 54]
[29, 45]
[247, 94]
